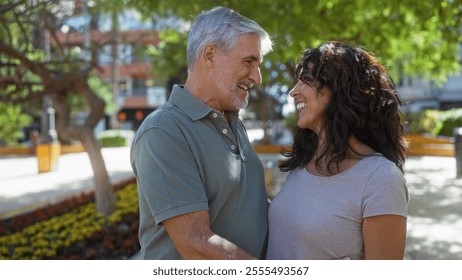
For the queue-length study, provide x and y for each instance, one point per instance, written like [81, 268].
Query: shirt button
[215, 115]
[233, 147]
[225, 131]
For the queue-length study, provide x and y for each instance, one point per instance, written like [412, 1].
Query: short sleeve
[167, 175]
[385, 192]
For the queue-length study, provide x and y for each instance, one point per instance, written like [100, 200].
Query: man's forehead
[248, 47]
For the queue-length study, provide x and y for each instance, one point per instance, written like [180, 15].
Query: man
[200, 183]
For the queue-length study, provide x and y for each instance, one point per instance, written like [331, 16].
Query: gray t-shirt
[187, 158]
[316, 217]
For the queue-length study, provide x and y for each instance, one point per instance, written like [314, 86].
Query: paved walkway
[434, 224]
[435, 208]
[23, 188]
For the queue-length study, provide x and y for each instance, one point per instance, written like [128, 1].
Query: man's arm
[194, 239]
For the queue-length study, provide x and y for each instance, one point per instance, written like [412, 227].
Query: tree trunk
[104, 196]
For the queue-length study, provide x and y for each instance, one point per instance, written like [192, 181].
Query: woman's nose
[294, 91]
[291, 93]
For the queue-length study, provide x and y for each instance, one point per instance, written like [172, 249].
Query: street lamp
[49, 134]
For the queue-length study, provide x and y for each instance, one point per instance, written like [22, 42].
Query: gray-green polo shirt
[187, 158]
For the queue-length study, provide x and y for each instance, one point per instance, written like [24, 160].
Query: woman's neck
[357, 150]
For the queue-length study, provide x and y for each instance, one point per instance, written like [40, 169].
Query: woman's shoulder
[377, 159]
[378, 165]
[383, 169]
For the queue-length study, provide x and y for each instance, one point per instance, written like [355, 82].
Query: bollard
[458, 150]
[47, 156]
[49, 149]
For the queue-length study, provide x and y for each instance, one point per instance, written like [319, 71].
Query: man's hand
[194, 239]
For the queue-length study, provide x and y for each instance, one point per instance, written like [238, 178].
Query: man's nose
[255, 76]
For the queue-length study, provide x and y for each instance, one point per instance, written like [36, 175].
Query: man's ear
[209, 54]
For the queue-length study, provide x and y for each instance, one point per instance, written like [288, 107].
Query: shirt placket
[225, 131]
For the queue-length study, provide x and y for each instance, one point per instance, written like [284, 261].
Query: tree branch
[34, 67]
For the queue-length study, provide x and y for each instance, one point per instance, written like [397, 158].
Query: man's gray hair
[223, 27]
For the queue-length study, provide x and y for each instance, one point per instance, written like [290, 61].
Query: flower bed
[73, 229]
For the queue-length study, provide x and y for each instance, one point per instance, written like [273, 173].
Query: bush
[115, 138]
[414, 123]
[421, 122]
[434, 122]
[447, 121]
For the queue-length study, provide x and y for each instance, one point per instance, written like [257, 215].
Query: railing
[430, 146]
[419, 145]
[65, 149]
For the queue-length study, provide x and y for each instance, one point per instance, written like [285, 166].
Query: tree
[415, 39]
[411, 39]
[34, 64]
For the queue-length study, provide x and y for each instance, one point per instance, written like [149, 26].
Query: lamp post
[49, 149]
[49, 134]
[458, 150]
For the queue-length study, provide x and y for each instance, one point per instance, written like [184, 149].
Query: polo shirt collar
[195, 109]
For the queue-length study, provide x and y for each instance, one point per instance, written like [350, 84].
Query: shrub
[414, 122]
[421, 122]
[115, 138]
[446, 121]
[434, 122]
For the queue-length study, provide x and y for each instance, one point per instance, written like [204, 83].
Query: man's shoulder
[164, 115]
[167, 118]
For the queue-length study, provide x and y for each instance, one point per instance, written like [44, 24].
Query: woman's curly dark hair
[364, 103]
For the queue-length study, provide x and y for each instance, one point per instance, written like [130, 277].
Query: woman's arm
[384, 237]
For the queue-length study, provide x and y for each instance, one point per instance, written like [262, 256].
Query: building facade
[122, 61]
[420, 94]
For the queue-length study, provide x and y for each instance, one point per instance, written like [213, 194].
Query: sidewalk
[22, 188]
[435, 208]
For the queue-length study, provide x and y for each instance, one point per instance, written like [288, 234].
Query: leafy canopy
[411, 39]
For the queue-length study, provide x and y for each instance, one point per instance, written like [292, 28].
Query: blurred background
[83, 74]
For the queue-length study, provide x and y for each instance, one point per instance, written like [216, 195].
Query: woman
[345, 196]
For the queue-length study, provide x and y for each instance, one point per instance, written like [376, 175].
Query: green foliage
[103, 91]
[169, 56]
[45, 239]
[115, 138]
[11, 121]
[429, 120]
[411, 39]
[435, 122]
[421, 122]
[22, 51]
[447, 121]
